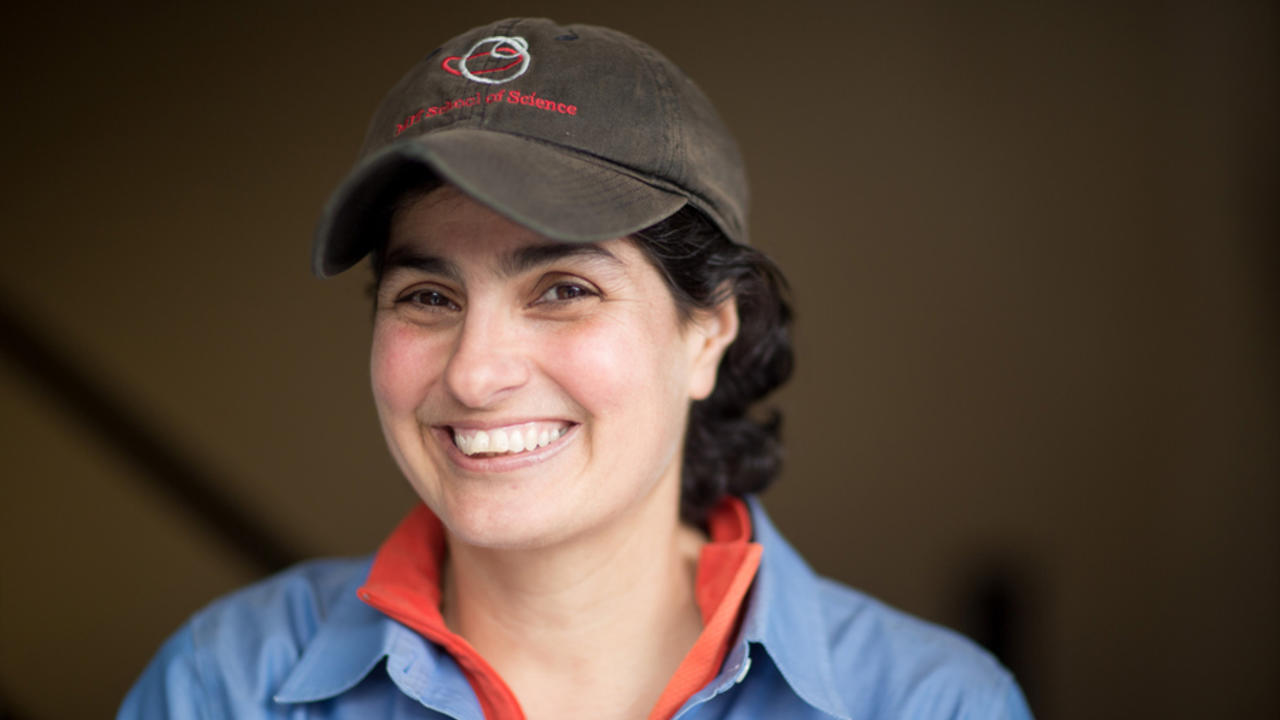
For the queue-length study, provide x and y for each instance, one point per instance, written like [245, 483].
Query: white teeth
[514, 439]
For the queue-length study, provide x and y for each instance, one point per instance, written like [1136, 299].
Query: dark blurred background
[1033, 248]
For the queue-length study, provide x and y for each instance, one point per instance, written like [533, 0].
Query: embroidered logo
[508, 58]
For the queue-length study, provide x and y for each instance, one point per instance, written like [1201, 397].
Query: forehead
[444, 230]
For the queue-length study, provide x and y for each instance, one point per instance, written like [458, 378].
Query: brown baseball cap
[580, 133]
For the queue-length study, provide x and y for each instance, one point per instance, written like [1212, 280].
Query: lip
[507, 422]
[498, 463]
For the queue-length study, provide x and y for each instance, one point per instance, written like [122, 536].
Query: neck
[558, 622]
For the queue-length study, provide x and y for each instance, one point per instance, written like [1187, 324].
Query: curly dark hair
[727, 450]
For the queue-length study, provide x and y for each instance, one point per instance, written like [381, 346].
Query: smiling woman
[570, 333]
[485, 333]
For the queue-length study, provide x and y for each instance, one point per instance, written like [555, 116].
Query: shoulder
[239, 647]
[851, 655]
[289, 605]
[897, 665]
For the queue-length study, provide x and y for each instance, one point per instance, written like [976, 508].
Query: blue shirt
[302, 645]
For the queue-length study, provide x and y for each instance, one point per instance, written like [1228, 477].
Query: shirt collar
[404, 584]
[784, 615]
[353, 640]
[357, 633]
[346, 646]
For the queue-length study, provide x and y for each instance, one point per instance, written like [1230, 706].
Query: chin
[505, 518]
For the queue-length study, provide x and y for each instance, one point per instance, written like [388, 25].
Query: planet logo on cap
[507, 59]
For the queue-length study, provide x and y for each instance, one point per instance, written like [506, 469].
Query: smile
[508, 440]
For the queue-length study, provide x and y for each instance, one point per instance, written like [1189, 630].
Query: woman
[569, 331]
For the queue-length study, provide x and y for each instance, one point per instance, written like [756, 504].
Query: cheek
[618, 367]
[399, 367]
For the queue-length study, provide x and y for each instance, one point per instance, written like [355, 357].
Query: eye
[565, 291]
[428, 298]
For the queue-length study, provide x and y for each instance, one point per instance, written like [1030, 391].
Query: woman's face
[532, 391]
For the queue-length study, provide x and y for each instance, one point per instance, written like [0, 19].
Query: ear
[710, 333]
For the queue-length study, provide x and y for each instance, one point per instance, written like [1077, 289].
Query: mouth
[508, 440]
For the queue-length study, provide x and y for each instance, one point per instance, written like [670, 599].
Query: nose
[487, 362]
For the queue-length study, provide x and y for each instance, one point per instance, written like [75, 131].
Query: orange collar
[404, 584]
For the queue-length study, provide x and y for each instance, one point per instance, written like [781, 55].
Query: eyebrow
[514, 263]
[532, 256]
[429, 264]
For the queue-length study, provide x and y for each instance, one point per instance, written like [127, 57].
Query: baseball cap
[578, 132]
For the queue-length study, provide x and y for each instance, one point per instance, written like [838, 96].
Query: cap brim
[555, 192]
